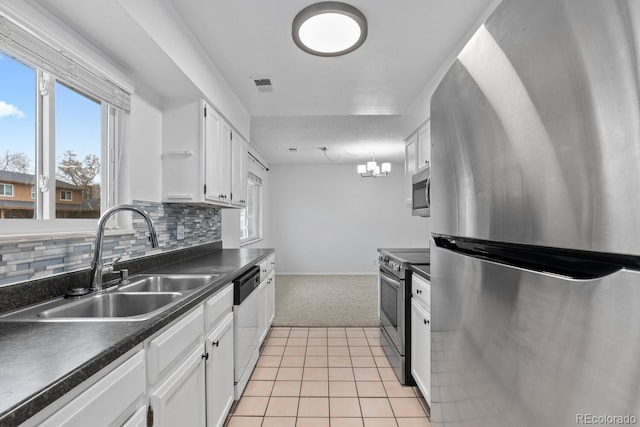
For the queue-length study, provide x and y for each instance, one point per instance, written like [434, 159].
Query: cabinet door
[219, 369]
[424, 144]
[180, 400]
[224, 162]
[212, 152]
[239, 164]
[263, 309]
[271, 298]
[410, 165]
[421, 348]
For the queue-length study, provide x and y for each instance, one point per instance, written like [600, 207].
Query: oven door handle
[387, 278]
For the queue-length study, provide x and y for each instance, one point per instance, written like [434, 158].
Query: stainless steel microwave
[421, 199]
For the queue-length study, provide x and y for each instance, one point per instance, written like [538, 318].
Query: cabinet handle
[214, 343]
[205, 356]
[149, 415]
[419, 291]
[426, 322]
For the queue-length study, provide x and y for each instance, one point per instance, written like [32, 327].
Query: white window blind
[19, 43]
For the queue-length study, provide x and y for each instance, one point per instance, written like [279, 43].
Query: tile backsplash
[34, 259]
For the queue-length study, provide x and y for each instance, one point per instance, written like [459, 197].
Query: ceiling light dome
[329, 29]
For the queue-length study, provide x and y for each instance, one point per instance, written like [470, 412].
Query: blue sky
[78, 122]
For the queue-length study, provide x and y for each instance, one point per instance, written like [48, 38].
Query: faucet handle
[124, 275]
[109, 267]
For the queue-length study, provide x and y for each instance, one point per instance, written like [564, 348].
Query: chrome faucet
[97, 266]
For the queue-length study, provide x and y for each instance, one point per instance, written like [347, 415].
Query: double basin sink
[139, 298]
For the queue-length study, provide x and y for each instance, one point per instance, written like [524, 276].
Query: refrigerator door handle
[428, 191]
[568, 263]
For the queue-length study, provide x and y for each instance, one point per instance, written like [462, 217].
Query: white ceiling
[350, 104]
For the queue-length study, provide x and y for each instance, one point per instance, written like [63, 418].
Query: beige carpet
[337, 300]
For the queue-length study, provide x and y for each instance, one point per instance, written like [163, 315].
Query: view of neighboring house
[17, 198]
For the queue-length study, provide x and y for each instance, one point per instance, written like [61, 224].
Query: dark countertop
[42, 361]
[423, 270]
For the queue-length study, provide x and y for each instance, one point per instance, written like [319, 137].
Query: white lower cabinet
[180, 399]
[263, 328]
[196, 389]
[271, 298]
[183, 377]
[421, 348]
[111, 401]
[267, 308]
[219, 372]
[267, 296]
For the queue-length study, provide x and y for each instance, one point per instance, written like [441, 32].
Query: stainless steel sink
[183, 283]
[143, 297]
[113, 305]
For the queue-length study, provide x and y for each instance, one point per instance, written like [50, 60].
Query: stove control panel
[389, 263]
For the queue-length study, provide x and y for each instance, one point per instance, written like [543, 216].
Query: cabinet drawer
[267, 266]
[217, 306]
[110, 401]
[421, 291]
[170, 347]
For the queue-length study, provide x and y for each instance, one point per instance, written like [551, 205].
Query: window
[6, 190]
[60, 121]
[251, 215]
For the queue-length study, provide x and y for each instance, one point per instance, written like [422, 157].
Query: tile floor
[321, 377]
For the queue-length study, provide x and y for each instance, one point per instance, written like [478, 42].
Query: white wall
[327, 219]
[162, 23]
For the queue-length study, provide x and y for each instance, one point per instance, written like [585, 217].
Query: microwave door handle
[428, 191]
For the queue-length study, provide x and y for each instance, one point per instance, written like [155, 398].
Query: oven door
[392, 309]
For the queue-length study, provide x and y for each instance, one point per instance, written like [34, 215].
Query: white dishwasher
[246, 322]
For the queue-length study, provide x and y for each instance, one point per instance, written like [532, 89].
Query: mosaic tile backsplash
[35, 259]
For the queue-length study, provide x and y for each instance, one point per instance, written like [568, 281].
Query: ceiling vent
[263, 84]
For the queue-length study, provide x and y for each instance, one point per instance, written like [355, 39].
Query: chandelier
[373, 170]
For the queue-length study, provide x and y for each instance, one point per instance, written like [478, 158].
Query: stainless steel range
[394, 293]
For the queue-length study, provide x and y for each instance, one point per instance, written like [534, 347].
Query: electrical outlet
[180, 232]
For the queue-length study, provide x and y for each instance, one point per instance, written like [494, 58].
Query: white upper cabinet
[410, 165]
[197, 160]
[417, 154]
[424, 144]
[239, 169]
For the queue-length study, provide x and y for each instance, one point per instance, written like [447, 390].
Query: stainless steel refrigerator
[536, 219]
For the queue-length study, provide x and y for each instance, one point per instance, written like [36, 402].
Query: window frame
[70, 199]
[36, 40]
[257, 182]
[45, 220]
[7, 185]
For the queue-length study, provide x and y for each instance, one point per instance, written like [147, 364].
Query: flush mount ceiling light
[329, 28]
